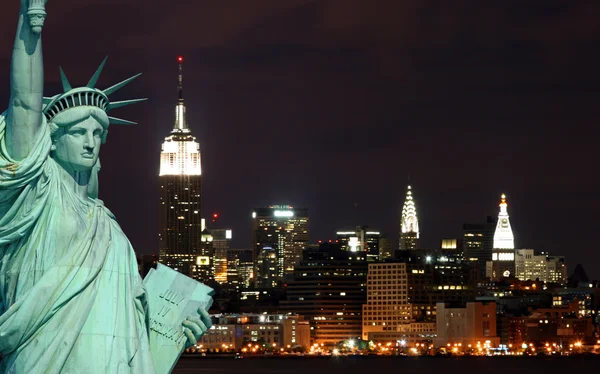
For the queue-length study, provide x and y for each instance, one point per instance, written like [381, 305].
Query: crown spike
[65, 82]
[117, 86]
[94, 79]
[119, 104]
[119, 121]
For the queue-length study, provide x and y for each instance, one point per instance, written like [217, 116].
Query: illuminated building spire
[503, 237]
[409, 223]
[180, 151]
[185, 245]
[180, 120]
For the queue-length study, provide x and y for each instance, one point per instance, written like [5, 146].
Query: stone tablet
[172, 297]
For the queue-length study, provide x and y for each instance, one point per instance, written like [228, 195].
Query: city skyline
[325, 117]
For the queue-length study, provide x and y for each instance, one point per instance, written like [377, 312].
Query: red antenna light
[180, 58]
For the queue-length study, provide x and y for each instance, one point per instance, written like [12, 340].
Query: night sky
[324, 104]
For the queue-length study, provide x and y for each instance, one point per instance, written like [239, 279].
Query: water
[380, 365]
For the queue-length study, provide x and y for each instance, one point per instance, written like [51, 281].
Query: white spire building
[503, 237]
[180, 152]
[409, 224]
[181, 227]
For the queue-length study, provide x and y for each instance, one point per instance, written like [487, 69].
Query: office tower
[477, 243]
[221, 239]
[542, 267]
[203, 268]
[385, 248]
[409, 224]
[246, 273]
[280, 235]
[556, 270]
[360, 240]
[329, 288]
[181, 227]
[402, 295]
[503, 237]
[239, 268]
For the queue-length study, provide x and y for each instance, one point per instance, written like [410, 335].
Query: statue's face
[78, 147]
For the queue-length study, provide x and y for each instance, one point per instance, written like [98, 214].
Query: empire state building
[180, 175]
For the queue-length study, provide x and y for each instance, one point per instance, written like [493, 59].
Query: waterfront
[345, 365]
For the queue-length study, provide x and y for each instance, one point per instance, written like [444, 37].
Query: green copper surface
[71, 297]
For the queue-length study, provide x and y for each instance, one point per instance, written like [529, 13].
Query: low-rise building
[234, 332]
[473, 324]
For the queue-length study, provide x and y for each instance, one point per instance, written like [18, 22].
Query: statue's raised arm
[24, 117]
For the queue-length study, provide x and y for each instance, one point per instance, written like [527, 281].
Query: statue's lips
[87, 155]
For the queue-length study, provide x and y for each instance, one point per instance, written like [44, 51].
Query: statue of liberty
[71, 297]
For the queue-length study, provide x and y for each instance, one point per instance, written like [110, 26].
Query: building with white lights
[328, 289]
[402, 296]
[409, 224]
[360, 240]
[542, 267]
[503, 237]
[180, 176]
[280, 235]
[502, 264]
[245, 331]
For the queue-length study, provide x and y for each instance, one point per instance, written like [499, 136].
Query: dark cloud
[324, 104]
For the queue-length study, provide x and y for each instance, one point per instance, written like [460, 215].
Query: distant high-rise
[221, 242]
[180, 231]
[328, 288]
[385, 248]
[280, 235]
[478, 242]
[360, 240]
[239, 268]
[409, 224]
[531, 265]
[503, 237]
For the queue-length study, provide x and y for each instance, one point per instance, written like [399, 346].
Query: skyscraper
[409, 224]
[221, 242]
[360, 240]
[180, 230]
[478, 241]
[280, 235]
[328, 288]
[503, 253]
[503, 237]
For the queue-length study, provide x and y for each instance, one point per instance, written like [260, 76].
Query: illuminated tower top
[503, 237]
[180, 152]
[180, 120]
[409, 222]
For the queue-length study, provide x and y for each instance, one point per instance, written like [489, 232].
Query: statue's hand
[36, 12]
[194, 327]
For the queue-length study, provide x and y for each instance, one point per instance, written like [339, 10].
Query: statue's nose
[89, 141]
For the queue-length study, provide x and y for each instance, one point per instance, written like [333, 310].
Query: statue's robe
[77, 309]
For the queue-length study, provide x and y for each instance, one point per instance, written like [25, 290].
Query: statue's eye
[77, 131]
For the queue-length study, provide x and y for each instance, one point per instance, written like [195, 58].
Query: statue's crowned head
[76, 104]
[78, 121]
